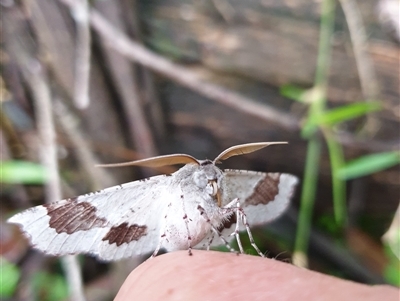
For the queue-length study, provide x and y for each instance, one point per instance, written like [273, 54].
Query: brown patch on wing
[265, 191]
[125, 233]
[73, 216]
[227, 223]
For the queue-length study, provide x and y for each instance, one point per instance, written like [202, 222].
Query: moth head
[208, 177]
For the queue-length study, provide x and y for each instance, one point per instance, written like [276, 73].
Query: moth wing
[118, 222]
[263, 197]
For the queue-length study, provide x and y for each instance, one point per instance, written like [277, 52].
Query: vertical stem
[307, 201]
[368, 78]
[338, 185]
[314, 144]
[80, 13]
[46, 128]
[366, 71]
[324, 52]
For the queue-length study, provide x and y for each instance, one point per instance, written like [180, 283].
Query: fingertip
[208, 275]
[178, 276]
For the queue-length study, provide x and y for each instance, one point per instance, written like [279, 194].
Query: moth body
[198, 186]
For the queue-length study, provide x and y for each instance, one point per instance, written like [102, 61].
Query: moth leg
[157, 249]
[232, 204]
[162, 236]
[236, 232]
[186, 219]
[210, 242]
[188, 235]
[205, 216]
[245, 223]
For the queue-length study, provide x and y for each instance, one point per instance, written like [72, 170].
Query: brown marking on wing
[227, 223]
[125, 233]
[73, 216]
[265, 191]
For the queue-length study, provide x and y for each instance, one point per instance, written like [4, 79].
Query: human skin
[208, 275]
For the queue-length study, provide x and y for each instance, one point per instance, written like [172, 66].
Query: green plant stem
[338, 185]
[324, 46]
[314, 144]
[308, 194]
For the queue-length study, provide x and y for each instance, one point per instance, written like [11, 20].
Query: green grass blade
[338, 115]
[22, 172]
[348, 112]
[368, 164]
[293, 92]
[307, 199]
[338, 184]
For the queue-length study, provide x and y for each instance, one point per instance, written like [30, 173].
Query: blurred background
[112, 81]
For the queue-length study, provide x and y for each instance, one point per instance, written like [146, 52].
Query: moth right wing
[263, 197]
[114, 223]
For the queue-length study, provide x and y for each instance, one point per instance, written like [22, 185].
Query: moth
[199, 205]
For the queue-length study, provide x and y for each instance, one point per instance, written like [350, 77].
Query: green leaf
[347, 112]
[22, 172]
[341, 114]
[50, 287]
[338, 115]
[307, 96]
[368, 164]
[392, 269]
[338, 185]
[9, 275]
[293, 92]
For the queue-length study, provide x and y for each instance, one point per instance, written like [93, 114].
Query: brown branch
[368, 79]
[126, 83]
[148, 90]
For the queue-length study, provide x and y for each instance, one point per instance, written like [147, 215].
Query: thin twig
[148, 90]
[41, 94]
[314, 143]
[225, 9]
[80, 13]
[126, 83]
[368, 79]
[98, 177]
[366, 71]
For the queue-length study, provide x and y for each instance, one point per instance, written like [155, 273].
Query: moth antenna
[242, 149]
[158, 161]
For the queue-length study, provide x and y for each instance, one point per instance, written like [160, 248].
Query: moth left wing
[114, 223]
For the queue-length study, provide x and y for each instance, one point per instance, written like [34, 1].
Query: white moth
[172, 212]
